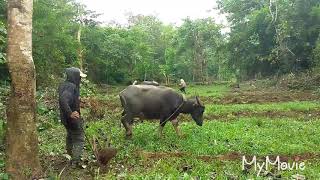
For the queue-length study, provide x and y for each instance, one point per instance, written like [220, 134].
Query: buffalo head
[197, 112]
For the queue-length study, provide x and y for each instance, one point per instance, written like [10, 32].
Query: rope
[174, 111]
[90, 145]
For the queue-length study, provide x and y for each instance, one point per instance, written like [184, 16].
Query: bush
[309, 80]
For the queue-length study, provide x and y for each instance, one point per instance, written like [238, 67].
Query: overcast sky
[168, 11]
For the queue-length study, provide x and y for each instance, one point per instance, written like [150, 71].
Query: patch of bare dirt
[249, 97]
[98, 108]
[61, 167]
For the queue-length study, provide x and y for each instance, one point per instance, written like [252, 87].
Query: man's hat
[82, 74]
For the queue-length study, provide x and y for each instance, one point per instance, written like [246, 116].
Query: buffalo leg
[175, 124]
[126, 125]
[160, 131]
[162, 123]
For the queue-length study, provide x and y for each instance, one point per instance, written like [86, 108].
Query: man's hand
[75, 115]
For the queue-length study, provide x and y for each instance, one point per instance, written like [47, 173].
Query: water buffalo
[157, 102]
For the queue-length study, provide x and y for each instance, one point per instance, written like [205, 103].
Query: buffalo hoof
[128, 137]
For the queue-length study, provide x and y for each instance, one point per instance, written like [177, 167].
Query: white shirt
[182, 83]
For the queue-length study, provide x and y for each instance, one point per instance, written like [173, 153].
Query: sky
[168, 11]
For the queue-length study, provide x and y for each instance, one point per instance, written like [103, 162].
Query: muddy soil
[259, 97]
[61, 167]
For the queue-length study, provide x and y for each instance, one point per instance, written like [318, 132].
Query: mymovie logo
[283, 166]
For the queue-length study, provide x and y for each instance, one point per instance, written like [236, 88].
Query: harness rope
[184, 100]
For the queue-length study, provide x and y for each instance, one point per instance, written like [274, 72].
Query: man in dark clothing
[69, 102]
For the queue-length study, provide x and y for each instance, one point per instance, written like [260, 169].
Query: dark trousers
[75, 139]
[183, 89]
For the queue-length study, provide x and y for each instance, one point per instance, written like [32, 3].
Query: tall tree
[22, 160]
[271, 37]
[198, 42]
[54, 38]
[3, 40]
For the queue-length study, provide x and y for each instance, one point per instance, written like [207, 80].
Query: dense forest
[266, 38]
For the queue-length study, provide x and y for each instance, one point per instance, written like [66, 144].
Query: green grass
[248, 136]
[282, 106]
[213, 91]
[260, 136]
[52, 140]
[173, 169]
[255, 136]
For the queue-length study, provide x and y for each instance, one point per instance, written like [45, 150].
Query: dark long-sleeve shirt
[69, 95]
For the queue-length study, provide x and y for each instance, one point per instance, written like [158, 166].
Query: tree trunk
[22, 160]
[197, 58]
[166, 78]
[80, 50]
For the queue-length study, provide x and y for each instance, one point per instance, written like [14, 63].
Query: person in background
[183, 86]
[69, 103]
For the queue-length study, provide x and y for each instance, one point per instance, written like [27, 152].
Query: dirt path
[260, 97]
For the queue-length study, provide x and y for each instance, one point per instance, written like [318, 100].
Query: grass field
[288, 129]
